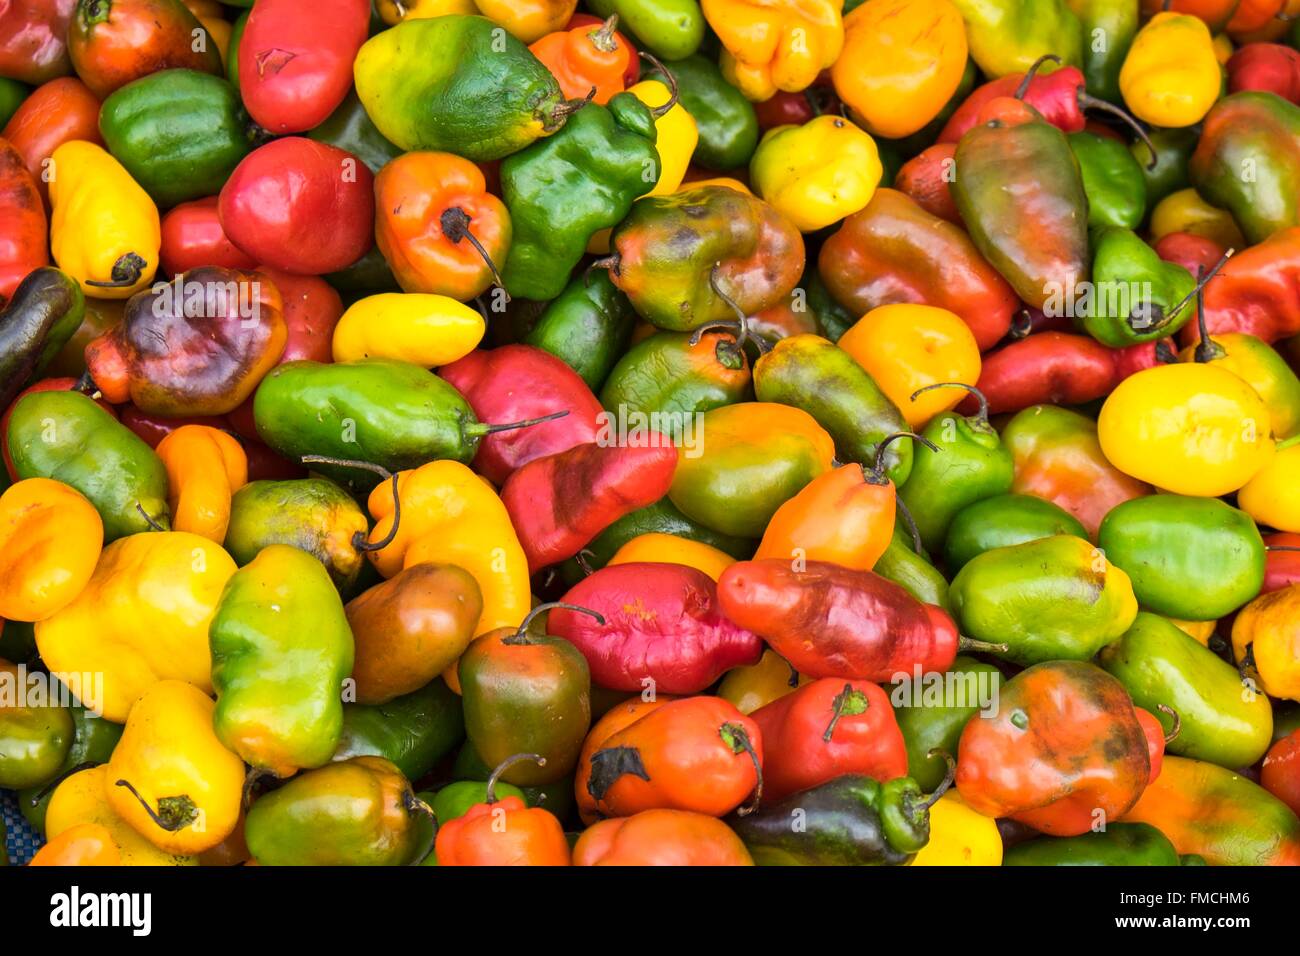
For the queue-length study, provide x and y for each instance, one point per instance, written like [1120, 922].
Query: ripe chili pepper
[1280, 772]
[112, 42]
[274, 200]
[1266, 498]
[661, 838]
[894, 251]
[1269, 67]
[1064, 750]
[34, 48]
[582, 56]
[768, 48]
[677, 373]
[1001, 521]
[1135, 296]
[87, 844]
[56, 112]
[726, 123]
[1264, 637]
[1254, 292]
[51, 537]
[438, 227]
[1282, 565]
[46, 308]
[670, 549]
[23, 245]
[503, 832]
[1048, 367]
[192, 237]
[671, 29]
[1262, 368]
[415, 327]
[83, 798]
[1171, 76]
[926, 178]
[792, 167]
[1112, 180]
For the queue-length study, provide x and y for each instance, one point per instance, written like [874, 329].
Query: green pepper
[350, 128]
[970, 465]
[455, 799]
[1008, 36]
[313, 514]
[459, 84]
[671, 29]
[812, 373]
[1195, 559]
[1109, 27]
[673, 373]
[1120, 844]
[587, 326]
[34, 737]
[179, 133]
[556, 797]
[727, 123]
[1218, 718]
[93, 741]
[281, 648]
[1169, 174]
[936, 725]
[1112, 180]
[1054, 599]
[833, 319]
[1001, 521]
[12, 94]
[360, 812]
[45, 311]
[232, 53]
[413, 731]
[67, 437]
[913, 572]
[1248, 162]
[851, 821]
[563, 190]
[1137, 296]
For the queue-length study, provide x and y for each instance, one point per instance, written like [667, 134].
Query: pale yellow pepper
[394, 12]
[959, 836]
[421, 328]
[1186, 211]
[773, 45]
[1170, 76]
[104, 229]
[817, 173]
[1272, 497]
[83, 798]
[205, 467]
[658, 548]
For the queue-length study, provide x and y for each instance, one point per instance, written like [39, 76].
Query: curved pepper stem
[665, 108]
[521, 635]
[361, 540]
[982, 414]
[949, 776]
[877, 475]
[965, 643]
[1030, 73]
[1089, 102]
[1178, 722]
[739, 328]
[1207, 350]
[173, 813]
[735, 737]
[455, 226]
[149, 519]
[603, 39]
[917, 546]
[563, 111]
[254, 776]
[511, 426]
[413, 804]
[848, 703]
[505, 765]
[50, 787]
[127, 271]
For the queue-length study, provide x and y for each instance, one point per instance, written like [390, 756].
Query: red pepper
[787, 109]
[192, 236]
[1144, 355]
[925, 177]
[1154, 732]
[1266, 66]
[1252, 16]
[515, 383]
[1257, 291]
[56, 113]
[663, 629]
[826, 729]
[152, 429]
[1281, 567]
[832, 621]
[34, 39]
[1215, 13]
[1280, 773]
[44, 385]
[559, 503]
[24, 244]
[1189, 251]
[301, 206]
[295, 64]
[1049, 368]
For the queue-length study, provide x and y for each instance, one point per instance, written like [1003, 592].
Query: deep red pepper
[1143, 355]
[192, 236]
[925, 177]
[44, 385]
[24, 244]
[301, 206]
[826, 729]
[1257, 292]
[515, 383]
[1048, 368]
[1266, 66]
[152, 429]
[295, 66]
[55, 113]
[832, 621]
[34, 39]
[1189, 251]
[663, 629]
[1281, 568]
[785, 109]
[559, 503]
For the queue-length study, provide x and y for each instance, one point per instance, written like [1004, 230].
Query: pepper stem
[50, 787]
[413, 804]
[1207, 350]
[127, 271]
[908, 520]
[254, 776]
[949, 776]
[609, 262]
[965, 643]
[603, 39]
[738, 327]
[735, 737]
[505, 765]
[510, 426]
[149, 519]
[663, 109]
[455, 226]
[360, 540]
[173, 813]
[1089, 102]
[877, 476]
[1030, 73]
[1178, 722]
[982, 415]
[521, 636]
[848, 703]
[563, 111]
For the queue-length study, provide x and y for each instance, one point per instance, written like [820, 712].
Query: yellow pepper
[1200, 631]
[727, 181]
[907, 347]
[170, 777]
[1223, 48]
[757, 685]
[143, 617]
[1170, 76]
[104, 229]
[902, 62]
[205, 467]
[817, 173]
[528, 20]
[1186, 211]
[773, 45]
[670, 549]
[1269, 629]
[1272, 497]
[394, 12]
[1259, 365]
[1189, 429]
[83, 798]
[427, 330]
[959, 836]
[50, 539]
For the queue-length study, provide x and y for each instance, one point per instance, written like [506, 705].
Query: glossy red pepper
[925, 177]
[1281, 566]
[1144, 355]
[1266, 66]
[795, 109]
[152, 429]
[1257, 292]
[295, 66]
[1190, 251]
[1154, 732]
[24, 244]
[826, 729]
[113, 42]
[192, 236]
[301, 206]
[1047, 368]
[519, 382]
[663, 629]
[1280, 772]
[55, 113]
[559, 503]
[34, 39]
[832, 621]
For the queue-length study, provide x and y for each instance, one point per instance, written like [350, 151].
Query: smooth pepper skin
[661, 838]
[1008, 37]
[668, 28]
[727, 124]
[359, 812]
[443, 84]
[179, 133]
[1220, 718]
[1124, 268]
[934, 719]
[1052, 599]
[564, 189]
[587, 326]
[414, 731]
[35, 45]
[1063, 750]
[1265, 633]
[913, 572]
[1003, 520]
[24, 246]
[34, 739]
[46, 308]
[666, 373]
[92, 743]
[67, 437]
[1112, 180]
[112, 44]
[1120, 844]
[281, 648]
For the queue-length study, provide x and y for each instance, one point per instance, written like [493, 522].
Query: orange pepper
[503, 832]
[205, 467]
[585, 58]
[661, 838]
[86, 844]
[615, 719]
[50, 539]
[439, 228]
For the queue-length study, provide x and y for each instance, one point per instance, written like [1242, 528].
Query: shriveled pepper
[818, 173]
[770, 47]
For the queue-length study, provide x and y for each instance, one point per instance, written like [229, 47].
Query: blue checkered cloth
[21, 841]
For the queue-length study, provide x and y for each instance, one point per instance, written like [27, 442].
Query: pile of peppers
[480, 433]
